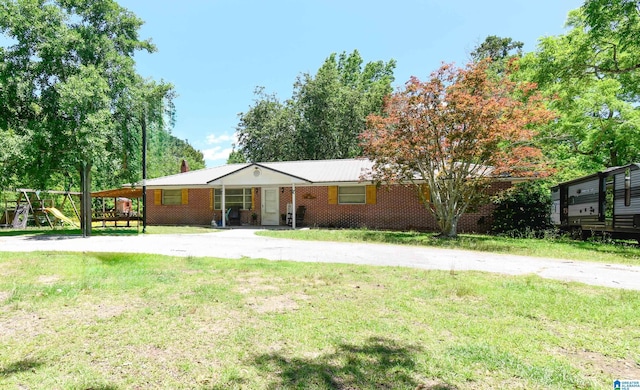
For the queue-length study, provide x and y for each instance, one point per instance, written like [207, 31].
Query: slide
[56, 213]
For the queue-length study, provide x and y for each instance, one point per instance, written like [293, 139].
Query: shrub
[523, 210]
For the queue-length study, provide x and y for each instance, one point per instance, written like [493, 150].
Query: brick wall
[396, 207]
[196, 212]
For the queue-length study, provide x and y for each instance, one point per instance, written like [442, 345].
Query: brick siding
[196, 212]
[396, 207]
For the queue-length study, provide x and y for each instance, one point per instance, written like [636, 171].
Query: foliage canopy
[452, 132]
[71, 98]
[323, 118]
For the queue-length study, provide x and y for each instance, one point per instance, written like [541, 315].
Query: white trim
[223, 206]
[364, 200]
[293, 209]
[263, 207]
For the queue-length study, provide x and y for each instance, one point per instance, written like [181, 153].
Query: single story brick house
[333, 193]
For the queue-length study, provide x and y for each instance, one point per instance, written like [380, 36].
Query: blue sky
[216, 52]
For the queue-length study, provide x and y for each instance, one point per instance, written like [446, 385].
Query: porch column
[222, 206]
[293, 205]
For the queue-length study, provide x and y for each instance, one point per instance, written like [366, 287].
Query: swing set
[39, 208]
[29, 206]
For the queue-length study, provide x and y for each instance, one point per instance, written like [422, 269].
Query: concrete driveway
[239, 243]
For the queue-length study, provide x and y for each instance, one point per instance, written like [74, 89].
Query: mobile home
[604, 202]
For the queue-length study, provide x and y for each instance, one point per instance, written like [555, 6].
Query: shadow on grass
[380, 363]
[27, 232]
[20, 366]
[116, 259]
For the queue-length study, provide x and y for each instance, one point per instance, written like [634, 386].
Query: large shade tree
[452, 133]
[592, 72]
[71, 98]
[612, 46]
[267, 131]
[323, 118]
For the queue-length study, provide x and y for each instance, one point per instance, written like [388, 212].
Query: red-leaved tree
[454, 133]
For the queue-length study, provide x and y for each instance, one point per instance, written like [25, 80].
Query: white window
[171, 197]
[233, 197]
[352, 195]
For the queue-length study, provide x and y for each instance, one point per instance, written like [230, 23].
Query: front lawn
[130, 321]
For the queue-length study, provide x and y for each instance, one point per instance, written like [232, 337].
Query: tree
[236, 157]
[613, 41]
[323, 118]
[452, 133]
[267, 132]
[334, 105]
[166, 153]
[599, 122]
[497, 49]
[73, 99]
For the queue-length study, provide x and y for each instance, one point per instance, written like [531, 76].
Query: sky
[216, 52]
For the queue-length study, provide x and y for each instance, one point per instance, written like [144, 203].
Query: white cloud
[217, 153]
[213, 139]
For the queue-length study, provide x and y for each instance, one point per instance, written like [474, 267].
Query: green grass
[124, 321]
[562, 248]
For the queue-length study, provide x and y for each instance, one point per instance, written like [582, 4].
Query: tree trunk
[85, 204]
[446, 218]
[452, 229]
[448, 227]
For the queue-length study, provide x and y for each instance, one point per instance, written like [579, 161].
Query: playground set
[39, 208]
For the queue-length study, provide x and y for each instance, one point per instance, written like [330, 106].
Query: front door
[270, 206]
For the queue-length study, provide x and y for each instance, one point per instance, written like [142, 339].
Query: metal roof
[124, 192]
[310, 171]
[200, 177]
[324, 171]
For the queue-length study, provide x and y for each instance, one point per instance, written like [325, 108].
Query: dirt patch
[152, 353]
[250, 289]
[23, 324]
[254, 283]
[213, 322]
[6, 269]
[435, 385]
[4, 295]
[596, 362]
[48, 280]
[88, 313]
[276, 303]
